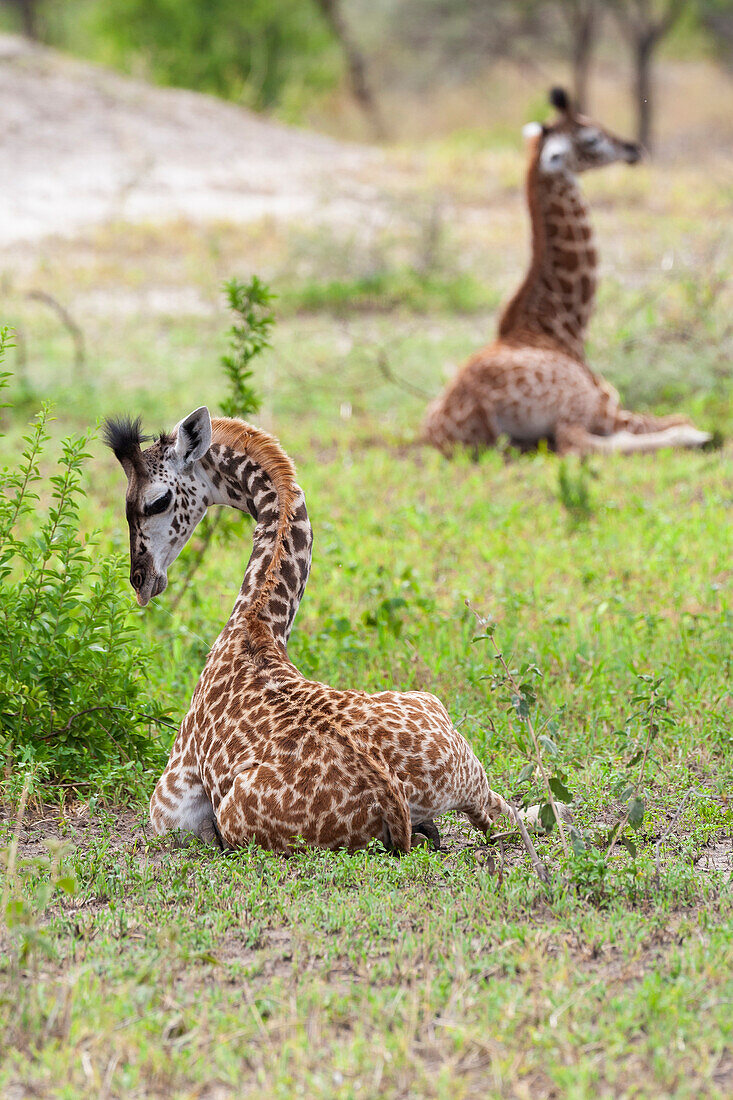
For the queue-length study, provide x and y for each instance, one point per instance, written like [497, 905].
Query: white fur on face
[554, 155]
[531, 130]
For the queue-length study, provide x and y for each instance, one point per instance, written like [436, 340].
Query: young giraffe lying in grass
[263, 754]
[533, 382]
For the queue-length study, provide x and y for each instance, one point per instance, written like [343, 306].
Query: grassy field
[159, 971]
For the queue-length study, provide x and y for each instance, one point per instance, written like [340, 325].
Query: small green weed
[574, 491]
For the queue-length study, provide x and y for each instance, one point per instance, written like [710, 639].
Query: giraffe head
[168, 492]
[574, 143]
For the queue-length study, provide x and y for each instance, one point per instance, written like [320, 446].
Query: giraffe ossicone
[264, 754]
[533, 382]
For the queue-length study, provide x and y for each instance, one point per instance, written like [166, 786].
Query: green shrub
[265, 54]
[74, 703]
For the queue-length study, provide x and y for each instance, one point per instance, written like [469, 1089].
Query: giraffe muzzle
[148, 585]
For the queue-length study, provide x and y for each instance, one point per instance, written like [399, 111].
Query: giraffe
[534, 382]
[264, 754]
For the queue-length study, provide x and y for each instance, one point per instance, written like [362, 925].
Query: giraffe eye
[159, 505]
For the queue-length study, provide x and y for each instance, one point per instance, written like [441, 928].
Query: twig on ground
[75, 331]
[384, 369]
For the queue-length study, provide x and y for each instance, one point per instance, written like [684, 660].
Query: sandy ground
[82, 145]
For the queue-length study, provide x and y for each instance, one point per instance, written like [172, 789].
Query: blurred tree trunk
[582, 51]
[643, 50]
[582, 18]
[28, 11]
[644, 23]
[355, 65]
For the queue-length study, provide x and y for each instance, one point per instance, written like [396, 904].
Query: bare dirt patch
[717, 855]
[77, 825]
[82, 145]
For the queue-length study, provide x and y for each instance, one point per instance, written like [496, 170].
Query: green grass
[342, 976]
[402, 288]
[181, 973]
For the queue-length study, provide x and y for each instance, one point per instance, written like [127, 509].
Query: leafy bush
[261, 53]
[74, 703]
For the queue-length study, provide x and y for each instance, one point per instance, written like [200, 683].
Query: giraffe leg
[643, 423]
[659, 431]
[575, 439]
[263, 806]
[425, 832]
[180, 802]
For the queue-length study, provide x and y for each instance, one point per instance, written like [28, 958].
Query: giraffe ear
[194, 436]
[560, 100]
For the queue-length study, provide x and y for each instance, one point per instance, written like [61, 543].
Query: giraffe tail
[396, 828]
[487, 807]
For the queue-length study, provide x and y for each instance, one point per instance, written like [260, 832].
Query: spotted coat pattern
[264, 754]
[533, 382]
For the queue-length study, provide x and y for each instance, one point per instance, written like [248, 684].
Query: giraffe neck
[249, 471]
[554, 303]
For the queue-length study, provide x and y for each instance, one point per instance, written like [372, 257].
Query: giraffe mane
[266, 451]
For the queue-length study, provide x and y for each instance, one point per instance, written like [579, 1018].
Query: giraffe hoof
[426, 832]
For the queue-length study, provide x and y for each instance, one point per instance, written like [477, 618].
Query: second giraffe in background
[534, 383]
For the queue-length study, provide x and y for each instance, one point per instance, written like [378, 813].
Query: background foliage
[288, 55]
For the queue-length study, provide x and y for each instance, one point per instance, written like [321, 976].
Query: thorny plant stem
[530, 726]
[668, 830]
[640, 777]
[539, 867]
